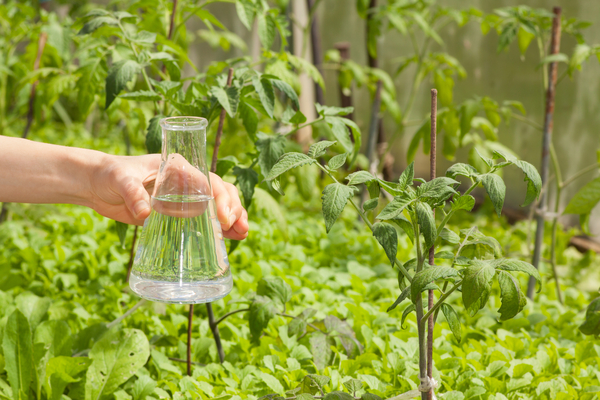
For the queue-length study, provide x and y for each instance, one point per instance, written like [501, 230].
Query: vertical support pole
[345, 98]
[317, 52]
[432, 173]
[546, 142]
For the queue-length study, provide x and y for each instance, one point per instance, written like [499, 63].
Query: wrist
[88, 166]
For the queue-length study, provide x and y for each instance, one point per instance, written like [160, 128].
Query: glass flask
[181, 256]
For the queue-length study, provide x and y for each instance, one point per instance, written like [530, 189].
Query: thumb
[136, 199]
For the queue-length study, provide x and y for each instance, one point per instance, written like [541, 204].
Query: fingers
[136, 198]
[239, 230]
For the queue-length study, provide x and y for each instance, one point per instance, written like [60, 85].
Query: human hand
[122, 186]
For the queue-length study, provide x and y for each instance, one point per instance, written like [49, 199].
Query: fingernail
[139, 207]
[226, 214]
[231, 219]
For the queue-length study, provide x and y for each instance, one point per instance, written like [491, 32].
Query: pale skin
[117, 187]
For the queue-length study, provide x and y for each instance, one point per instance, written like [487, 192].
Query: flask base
[181, 293]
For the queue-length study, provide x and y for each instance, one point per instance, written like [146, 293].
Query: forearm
[33, 172]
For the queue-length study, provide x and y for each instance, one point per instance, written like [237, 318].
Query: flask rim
[183, 123]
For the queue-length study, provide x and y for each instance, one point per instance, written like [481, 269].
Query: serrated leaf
[356, 178]
[449, 236]
[426, 223]
[465, 202]
[262, 310]
[141, 95]
[144, 37]
[245, 12]
[353, 386]
[403, 296]
[96, 23]
[228, 98]
[477, 285]
[496, 189]
[337, 395]
[405, 225]
[453, 320]
[407, 176]
[333, 111]
[395, 207]
[275, 288]
[533, 179]
[266, 30]
[115, 358]
[427, 276]
[287, 162]
[121, 232]
[312, 384]
[513, 264]
[288, 91]
[586, 199]
[335, 197]
[249, 119]
[225, 164]
[591, 325]
[387, 237]
[513, 300]
[462, 170]
[337, 161]
[341, 132]
[247, 180]
[318, 149]
[436, 188]
[154, 135]
[119, 75]
[265, 92]
[271, 149]
[370, 204]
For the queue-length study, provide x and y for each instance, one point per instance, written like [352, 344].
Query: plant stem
[559, 184]
[131, 253]
[579, 174]
[127, 314]
[304, 126]
[419, 310]
[185, 361]
[307, 324]
[217, 322]
[439, 303]
[215, 157]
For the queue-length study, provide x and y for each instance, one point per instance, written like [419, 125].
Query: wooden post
[432, 173]
[315, 45]
[546, 141]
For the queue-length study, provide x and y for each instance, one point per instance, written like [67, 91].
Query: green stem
[304, 126]
[451, 212]
[559, 185]
[369, 224]
[217, 322]
[438, 304]
[528, 121]
[540, 43]
[579, 174]
[307, 324]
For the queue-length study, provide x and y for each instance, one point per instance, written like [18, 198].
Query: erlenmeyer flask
[181, 256]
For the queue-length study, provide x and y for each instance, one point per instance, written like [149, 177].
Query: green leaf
[320, 349]
[449, 236]
[118, 76]
[154, 135]
[353, 386]
[436, 188]
[262, 310]
[318, 149]
[358, 177]
[115, 359]
[225, 164]
[477, 285]
[121, 232]
[405, 225]
[387, 237]
[468, 110]
[533, 179]
[287, 162]
[559, 57]
[288, 91]
[313, 384]
[229, 98]
[465, 202]
[96, 23]
[513, 300]
[403, 296]
[249, 119]
[61, 371]
[341, 132]
[56, 337]
[495, 188]
[337, 161]
[141, 95]
[426, 276]
[370, 396]
[407, 176]
[167, 88]
[245, 12]
[453, 320]
[426, 223]
[395, 207]
[271, 381]
[513, 264]
[585, 199]
[275, 288]
[266, 94]
[524, 38]
[370, 204]
[333, 111]
[18, 354]
[591, 325]
[266, 30]
[463, 170]
[335, 197]
[270, 148]
[247, 180]
[410, 308]
[143, 387]
[337, 395]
